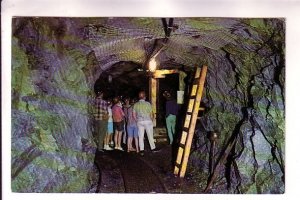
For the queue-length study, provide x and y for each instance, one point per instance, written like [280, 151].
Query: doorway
[170, 83]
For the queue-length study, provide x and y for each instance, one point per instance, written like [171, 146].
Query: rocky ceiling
[57, 61]
[190, 40]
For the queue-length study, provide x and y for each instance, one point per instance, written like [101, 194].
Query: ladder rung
[191, 105]
[194, 90]
[201, 108]
[193, 97]
[198, 72]
[187, 120]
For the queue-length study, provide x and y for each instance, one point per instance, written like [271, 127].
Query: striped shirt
[100, 109]
[142, 110]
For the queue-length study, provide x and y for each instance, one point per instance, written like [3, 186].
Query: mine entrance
[126, 79]
[169, 83]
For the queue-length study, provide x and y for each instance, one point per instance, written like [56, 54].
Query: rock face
[245, 102]
[52, 146]
[56, 62]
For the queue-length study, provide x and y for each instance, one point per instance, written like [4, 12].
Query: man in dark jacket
[171, 113]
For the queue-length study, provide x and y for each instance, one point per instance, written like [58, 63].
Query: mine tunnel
[237, 143]
[125, 80]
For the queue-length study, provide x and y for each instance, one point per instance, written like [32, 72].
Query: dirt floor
[123, 172]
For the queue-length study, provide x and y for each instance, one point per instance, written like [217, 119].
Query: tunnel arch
[124, 78]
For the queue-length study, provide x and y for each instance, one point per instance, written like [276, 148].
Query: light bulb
[152, 65]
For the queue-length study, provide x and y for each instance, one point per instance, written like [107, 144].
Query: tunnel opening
[124, 79]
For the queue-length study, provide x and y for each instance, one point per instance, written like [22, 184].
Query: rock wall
[52, 145]
[245, 101]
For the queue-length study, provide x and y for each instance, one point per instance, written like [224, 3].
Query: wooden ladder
[188, 129]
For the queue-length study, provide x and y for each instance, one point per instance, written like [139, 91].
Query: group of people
[115, 122]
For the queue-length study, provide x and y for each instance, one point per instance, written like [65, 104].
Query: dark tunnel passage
[123, 79]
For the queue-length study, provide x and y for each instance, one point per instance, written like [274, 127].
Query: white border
[288, 9]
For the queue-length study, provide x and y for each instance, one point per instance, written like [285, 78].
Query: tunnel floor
[122, 172]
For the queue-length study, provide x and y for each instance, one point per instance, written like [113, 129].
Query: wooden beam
[162, 72]
[220, 163]
[153, 97]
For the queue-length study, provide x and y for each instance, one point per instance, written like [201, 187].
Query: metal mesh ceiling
[130, 39]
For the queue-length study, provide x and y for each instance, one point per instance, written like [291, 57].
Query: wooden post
[154, 88]
[221, 162]
[153, 97]
[212, 138]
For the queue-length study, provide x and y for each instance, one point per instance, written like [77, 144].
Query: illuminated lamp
[152, 65]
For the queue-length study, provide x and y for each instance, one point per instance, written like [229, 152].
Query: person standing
[171, 113]
[110, 129]
[132, 129]
[143, 114]
[118, 120]
[100, 119]
[125, 109]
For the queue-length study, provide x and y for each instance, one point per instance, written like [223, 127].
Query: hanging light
[152, 65]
